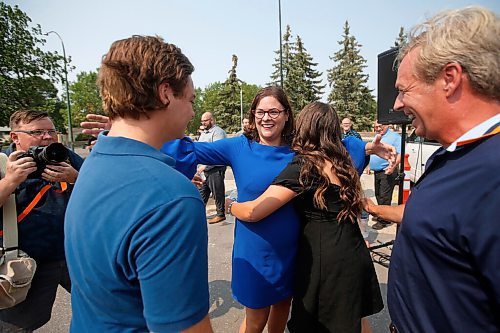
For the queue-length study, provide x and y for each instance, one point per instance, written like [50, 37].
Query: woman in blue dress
[264, 253]
[335, 281]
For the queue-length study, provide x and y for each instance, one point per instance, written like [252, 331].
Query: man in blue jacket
[445, 264]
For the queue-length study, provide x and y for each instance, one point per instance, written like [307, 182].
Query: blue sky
[209, 32]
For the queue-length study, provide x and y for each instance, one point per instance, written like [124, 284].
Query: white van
[419, 149]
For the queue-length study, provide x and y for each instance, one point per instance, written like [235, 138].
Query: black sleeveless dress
[335, 281]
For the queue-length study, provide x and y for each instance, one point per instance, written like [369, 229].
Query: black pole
[401, 175]
[70, 126]
[281, 45]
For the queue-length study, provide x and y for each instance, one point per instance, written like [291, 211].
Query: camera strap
[9, 216]
[36, 199]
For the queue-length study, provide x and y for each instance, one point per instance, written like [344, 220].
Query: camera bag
[16, 267]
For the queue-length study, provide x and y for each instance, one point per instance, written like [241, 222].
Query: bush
[82, 137]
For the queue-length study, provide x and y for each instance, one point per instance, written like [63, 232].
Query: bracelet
[228, 211]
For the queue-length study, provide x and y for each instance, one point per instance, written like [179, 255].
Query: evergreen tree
[303, 82]
[300, 79]
[350, 95]
[402, 38]
[287, 47]
[209, 99]
[227, 113]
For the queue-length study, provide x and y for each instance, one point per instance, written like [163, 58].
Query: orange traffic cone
[406, 183]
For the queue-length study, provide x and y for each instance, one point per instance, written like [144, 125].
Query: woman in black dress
[336, 284]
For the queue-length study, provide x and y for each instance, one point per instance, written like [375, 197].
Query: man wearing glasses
[40, 228]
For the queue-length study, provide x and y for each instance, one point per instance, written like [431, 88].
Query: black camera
[43, 155]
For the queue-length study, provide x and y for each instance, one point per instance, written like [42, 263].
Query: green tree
[84, 96]
[27, 73]
[402, 38]
[286, 50]
[303, 82]
[350, 94]
[227, 113]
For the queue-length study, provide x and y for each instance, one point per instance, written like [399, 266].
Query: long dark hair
[278, 93]
[318, 139]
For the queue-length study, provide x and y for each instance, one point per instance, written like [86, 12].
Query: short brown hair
[133, 69]
[26, 117]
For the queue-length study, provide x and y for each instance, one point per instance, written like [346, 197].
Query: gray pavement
[226, 314]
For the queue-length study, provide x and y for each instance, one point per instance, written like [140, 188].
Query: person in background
[347, 129]
[244, 126]
[335, 282]
[385, 175]
[135, 236]
[40, 228]
[445, 264]
[214, 174]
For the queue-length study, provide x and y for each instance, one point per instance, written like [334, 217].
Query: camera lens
[54, 153]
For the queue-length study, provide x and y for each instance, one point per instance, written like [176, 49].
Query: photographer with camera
[41, 172]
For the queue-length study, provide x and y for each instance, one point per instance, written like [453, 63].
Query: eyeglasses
[39, 133]
[273, 113]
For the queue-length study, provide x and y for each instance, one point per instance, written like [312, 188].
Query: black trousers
[384, 186]
[215, 184]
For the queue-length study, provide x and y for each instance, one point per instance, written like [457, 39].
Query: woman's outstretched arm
[252, 211]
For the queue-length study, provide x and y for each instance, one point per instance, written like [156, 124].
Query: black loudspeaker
[387, 93]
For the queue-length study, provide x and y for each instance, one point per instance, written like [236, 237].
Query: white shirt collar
[475, 132]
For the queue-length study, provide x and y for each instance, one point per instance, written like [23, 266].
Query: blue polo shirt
[445, 265]
[392, 138]
[136, 242]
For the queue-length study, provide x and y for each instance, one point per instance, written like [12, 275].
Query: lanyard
[36, 199]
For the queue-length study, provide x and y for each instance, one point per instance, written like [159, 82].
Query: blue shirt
[136, 242]
[445, 264]
[41, 232]
[392, 138]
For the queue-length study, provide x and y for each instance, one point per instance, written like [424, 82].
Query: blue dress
[263, 264]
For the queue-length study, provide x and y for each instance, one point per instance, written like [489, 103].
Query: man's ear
[164, 92]
[14, 137]
[452, 76]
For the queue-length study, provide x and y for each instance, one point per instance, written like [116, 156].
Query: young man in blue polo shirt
[445, 264]
[384, 175]
[136, 237]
